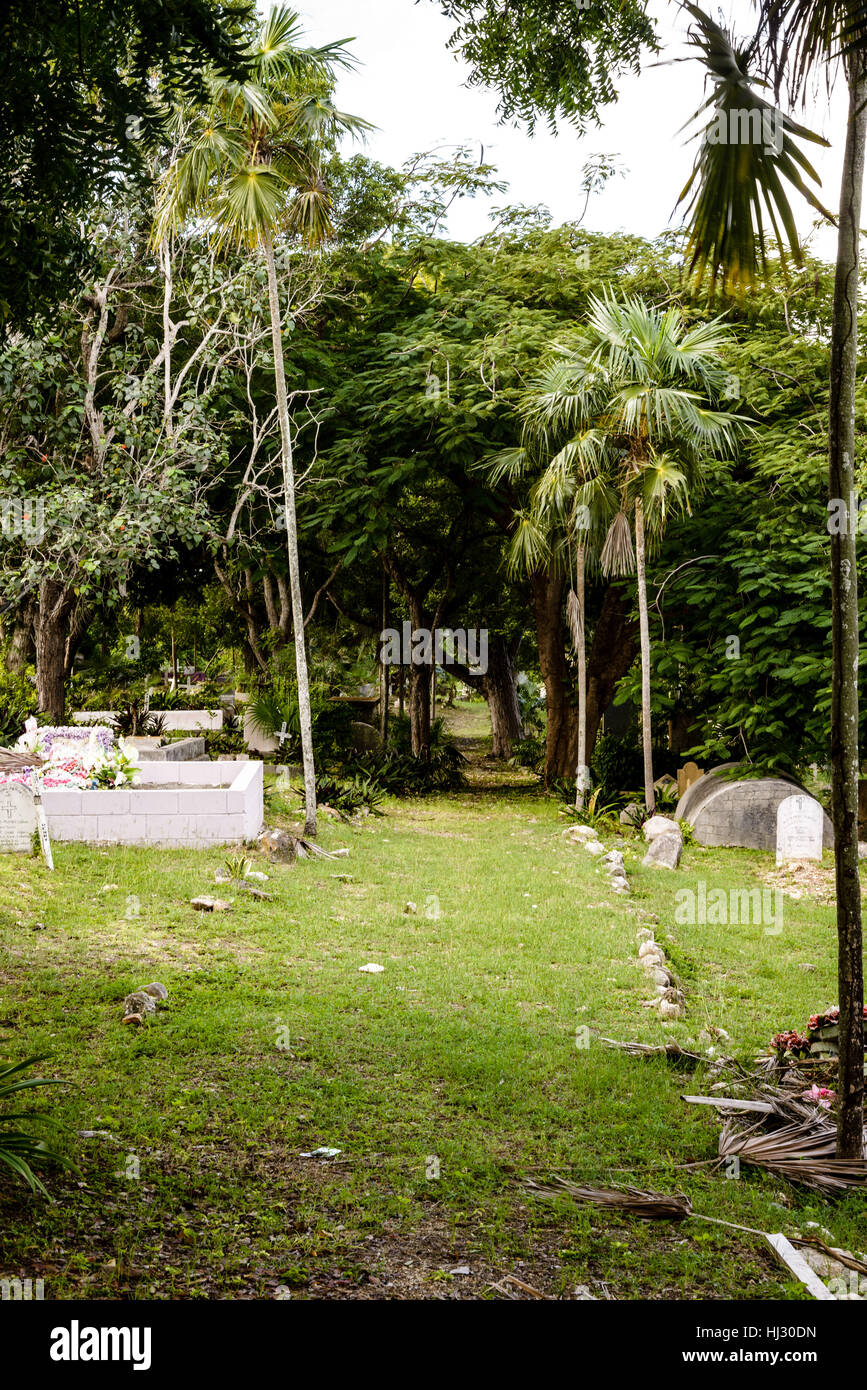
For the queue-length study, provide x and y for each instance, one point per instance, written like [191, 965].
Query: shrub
[19, 1149]
[617, 764]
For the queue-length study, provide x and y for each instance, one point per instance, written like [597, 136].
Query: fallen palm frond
[16, 760]
[628, 1201]
[802, 1152]
[672, 1050]
[306, 849]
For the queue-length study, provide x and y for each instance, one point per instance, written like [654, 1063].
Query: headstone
[799, 829]
[17, 818]
[366, 738]
[688, 774]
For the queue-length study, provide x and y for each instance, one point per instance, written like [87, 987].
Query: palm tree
[731, 180]
[247, 167]
[633, 393]
[569, 508]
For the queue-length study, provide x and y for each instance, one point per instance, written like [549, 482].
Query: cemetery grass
[462, 1051]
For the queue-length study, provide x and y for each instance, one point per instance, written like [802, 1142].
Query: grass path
[460, 1058]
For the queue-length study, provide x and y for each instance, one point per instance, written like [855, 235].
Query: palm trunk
[582, 773]
[845, 762]
[292, 547]
[644, 636]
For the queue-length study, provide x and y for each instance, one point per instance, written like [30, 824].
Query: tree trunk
[499, 689]
[582, 771]
[419, 691]
[644, 638]
[55, 604]
[22, 642]
[611, 654]
[561, 744]
[304, 711]
[845, 763]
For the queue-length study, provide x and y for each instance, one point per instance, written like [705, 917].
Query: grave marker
[17, 818]
[799, 828]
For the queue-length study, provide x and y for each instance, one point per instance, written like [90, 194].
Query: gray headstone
[799, 829]
[17, 818]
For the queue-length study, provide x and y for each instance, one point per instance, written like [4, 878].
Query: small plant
[238, 866]
[19, 1150]
[600, 816]
[528, 752]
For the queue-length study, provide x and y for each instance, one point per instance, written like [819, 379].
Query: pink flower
[821, 1095]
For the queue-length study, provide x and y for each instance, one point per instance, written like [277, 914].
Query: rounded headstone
[17, 818]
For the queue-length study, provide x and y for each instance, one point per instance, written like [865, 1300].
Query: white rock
[659, 825]
[664, 851]
[371, 969]
[594, 847]
[650, 948]
[580, 832]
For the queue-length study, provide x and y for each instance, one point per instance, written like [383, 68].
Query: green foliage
[17, 703]
[529, 752]
[617, 763]
[348, 795]
[20, 1150]
[547, 58]
[238, 866]
[397, 771]
[603, 816]
[81, 108]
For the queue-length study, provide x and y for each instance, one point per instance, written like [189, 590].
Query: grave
[184, 805]
[799, 829]
[686, 775]
[17, 818]
[740, 812]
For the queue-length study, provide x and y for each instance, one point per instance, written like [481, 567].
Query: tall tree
[798, 40]
[84, 86]
[633, 396]
[248, 163]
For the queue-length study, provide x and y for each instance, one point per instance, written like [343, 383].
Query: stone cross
[800, 824]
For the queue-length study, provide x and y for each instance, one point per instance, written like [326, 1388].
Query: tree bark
[22, 641]
[55, 604]
[304, 711]
[582, 771]
[499, 689]
[419, 690]
[644, 638]
[611, 654]
[845, 762]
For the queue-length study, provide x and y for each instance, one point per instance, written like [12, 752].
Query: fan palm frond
[748, 153]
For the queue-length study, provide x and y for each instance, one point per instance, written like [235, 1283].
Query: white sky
[412, 88]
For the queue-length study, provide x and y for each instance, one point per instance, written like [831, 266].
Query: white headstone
[17, 818]
[800, 824]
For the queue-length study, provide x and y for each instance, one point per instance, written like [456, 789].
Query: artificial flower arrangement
[820, 1039]
[84, 758]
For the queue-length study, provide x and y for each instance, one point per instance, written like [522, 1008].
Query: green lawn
[463, 1051]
